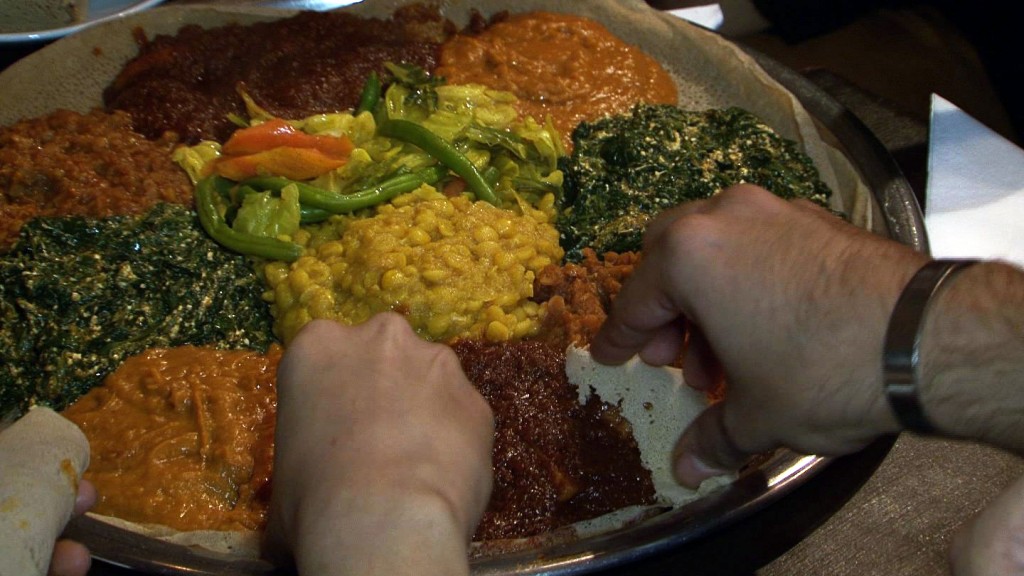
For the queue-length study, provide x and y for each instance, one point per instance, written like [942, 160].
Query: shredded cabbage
[518, 157]
[262, 214]
[196, 159]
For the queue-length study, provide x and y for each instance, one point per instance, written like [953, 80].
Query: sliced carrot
[286, 161]
[278, 133]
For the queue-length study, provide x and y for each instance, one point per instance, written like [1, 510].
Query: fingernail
[690, 470]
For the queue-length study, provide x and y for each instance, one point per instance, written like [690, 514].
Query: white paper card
[974, 204]
[709, 16]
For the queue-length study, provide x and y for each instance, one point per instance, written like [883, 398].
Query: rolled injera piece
[42, 458]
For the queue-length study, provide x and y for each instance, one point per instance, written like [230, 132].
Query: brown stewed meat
[310, 63]
[556, 461]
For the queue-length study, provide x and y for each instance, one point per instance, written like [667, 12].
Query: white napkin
[709, 16]
[974, 204]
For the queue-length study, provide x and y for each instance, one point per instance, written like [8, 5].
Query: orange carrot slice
[289, 162]
[278, 133]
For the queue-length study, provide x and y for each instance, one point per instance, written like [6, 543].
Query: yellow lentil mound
[454, 267]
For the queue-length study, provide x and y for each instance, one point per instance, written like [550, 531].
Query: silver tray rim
[782, 473]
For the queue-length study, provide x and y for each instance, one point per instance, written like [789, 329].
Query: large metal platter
[891, 210]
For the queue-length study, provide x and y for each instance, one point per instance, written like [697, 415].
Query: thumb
[706, 449]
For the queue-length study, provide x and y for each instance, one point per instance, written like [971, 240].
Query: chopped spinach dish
[624, 170]
[79, 295]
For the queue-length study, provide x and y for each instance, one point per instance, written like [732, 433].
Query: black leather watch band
[901, 355]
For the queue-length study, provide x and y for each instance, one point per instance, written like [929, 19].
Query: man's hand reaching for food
[793, 304]
[757, 278]
[383, 453]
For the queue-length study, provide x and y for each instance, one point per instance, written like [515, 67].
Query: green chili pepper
[209, 195]
[315, 197]
[444, 152]
[310, 215]
[370, 95]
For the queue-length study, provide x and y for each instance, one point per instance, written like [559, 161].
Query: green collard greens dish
[624, 170]
[79, 295]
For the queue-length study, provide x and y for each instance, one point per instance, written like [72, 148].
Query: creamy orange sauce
[183, 437]
[569, 67]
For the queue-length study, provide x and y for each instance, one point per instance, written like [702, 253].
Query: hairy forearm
[972, 357]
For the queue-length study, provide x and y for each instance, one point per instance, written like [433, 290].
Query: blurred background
[900, 51]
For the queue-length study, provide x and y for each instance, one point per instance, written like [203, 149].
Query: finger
[666, 345]
[659, 287]
[70, 558]
[740, 197]
[706, 449]
[640, 311]
[645, 305]
[663, 221]
[701, 368]
[744, 196]
[86, 497]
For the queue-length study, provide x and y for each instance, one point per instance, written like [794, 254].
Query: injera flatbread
[42, 457]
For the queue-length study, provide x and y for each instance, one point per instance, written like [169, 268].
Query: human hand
[383, 453]
[71, 558]
[790, 300]
[992, 543]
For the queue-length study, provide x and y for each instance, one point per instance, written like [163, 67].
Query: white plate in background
[99, 10]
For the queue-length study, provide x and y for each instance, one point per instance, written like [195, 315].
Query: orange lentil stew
[560, 65]
[183, 437]
[72, 164]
